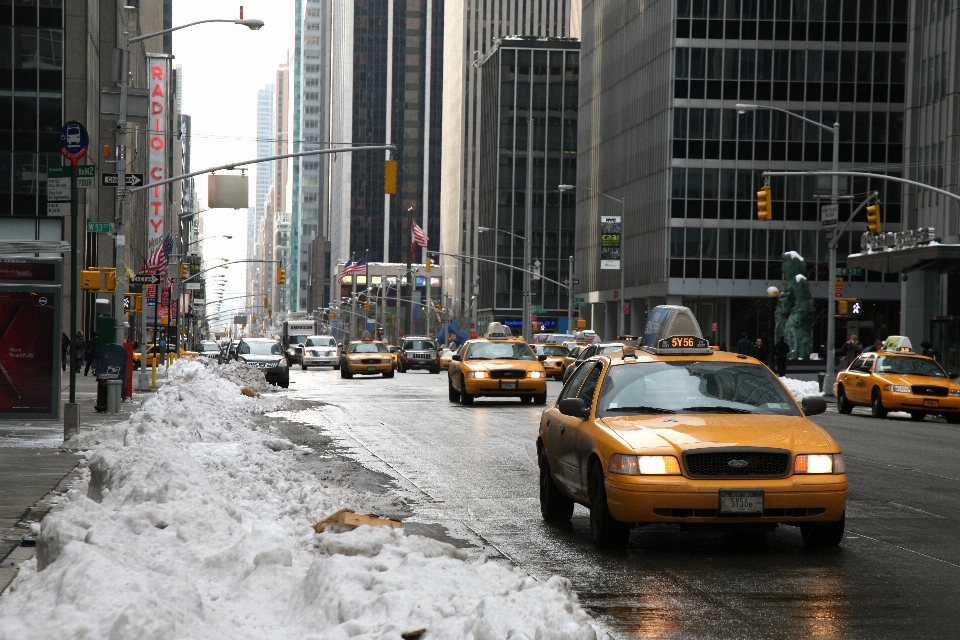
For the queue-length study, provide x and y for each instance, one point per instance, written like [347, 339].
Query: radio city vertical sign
[609, 242]
[157, 139]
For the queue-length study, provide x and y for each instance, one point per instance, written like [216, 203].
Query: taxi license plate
[931, 403]
[371, 368]
[508, 385]
[741, 502]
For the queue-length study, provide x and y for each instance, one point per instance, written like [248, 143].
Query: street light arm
[503, 264]
[224, 264]
[599, 193]
[253, 24]
[754, 107]
[863, 174]
[519, 237]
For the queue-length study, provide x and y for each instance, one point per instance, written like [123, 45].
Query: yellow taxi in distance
[446, 356]
[366, 357]
[675, 432]
[555, 363]
[498, 365]
[897, 379]
[395, 353]
[153, 350]
[573, 349]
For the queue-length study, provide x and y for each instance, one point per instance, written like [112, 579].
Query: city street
[473, 470]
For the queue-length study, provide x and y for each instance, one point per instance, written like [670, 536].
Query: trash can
[820, 377]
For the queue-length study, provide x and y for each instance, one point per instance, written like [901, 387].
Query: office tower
[266, 133]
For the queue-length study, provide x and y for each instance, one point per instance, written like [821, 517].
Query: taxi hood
[684, 432]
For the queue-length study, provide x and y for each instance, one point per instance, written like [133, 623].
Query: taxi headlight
[478, 374]
[820, 463]
[536, 374]
[643, 465]
[386, 359]
[955, 392]
[896, 388]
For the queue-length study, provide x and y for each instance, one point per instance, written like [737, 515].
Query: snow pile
[240, 374]
[192, 522]
[801, 388]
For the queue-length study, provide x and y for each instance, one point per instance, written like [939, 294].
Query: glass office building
[522, 79]
[658, 128]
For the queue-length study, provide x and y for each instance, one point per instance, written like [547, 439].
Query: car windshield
[317, 341]
[692, 387]
[368, 347]
[209, 346]
[419, 345]
[500, 351]
[260, 348]
[292, 340]
[552, 351]
[447, 352]
[909, 366]
[610, 348]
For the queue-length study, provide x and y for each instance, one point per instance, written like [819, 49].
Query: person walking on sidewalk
[64, 350]
[89, 354]
[78, 340]
[780, 352]
[744, 347]
[759, 351]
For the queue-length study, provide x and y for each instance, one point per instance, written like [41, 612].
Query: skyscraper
[265, 144]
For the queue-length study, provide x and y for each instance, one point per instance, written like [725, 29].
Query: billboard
[159, 67]
[609, 242]
[29, 355]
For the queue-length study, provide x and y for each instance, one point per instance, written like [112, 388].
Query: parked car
[320, 351]
[209, 349]
[265, 354]
[153, 350]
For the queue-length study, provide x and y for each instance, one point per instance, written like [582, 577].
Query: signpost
[849, 271]
[112, 179]
[58, 184]
[838, 287]
[99, 227]
[829, 216]
[145, 278]
[74, 141]
[86, 176]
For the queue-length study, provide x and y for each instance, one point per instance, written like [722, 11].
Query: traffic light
[266, 302]
[873, 219]
[132, 303]
[332, 315]
[281, 275]
[390, 177]
[393, 319]
[366, 306]
[429, 264]
[184, 269]
[764, 208]
[254, 319]
[269, 313]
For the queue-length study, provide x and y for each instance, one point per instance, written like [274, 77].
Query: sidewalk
[34, 468]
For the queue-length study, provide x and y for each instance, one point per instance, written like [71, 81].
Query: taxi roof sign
[495, 331]
[672, 329]
[900, 344]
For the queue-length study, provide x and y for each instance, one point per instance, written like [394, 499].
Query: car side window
[589, 388]
[855, 366]
[572, 386]
[867, 363]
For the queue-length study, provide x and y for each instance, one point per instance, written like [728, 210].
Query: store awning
[940, 258]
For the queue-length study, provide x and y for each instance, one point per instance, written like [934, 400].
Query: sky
[223, 66]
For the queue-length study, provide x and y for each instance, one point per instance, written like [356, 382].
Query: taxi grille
[370, 360]
[715, 463]
[507, 374]
[928, 390]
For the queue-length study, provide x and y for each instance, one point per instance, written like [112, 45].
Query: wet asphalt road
[474, 472]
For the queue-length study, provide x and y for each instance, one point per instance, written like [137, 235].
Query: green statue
[795, 312]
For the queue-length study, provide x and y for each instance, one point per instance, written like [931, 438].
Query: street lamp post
[830, 375]
[623, 216]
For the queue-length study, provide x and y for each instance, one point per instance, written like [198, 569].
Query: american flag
[353, 267]
[161, 257]
[419, 237]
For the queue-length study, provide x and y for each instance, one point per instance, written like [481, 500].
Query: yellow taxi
[446, 357]
[497, 365]
[555, 362]
[153, 350]
[395, 354]
[897, 379]
[675, 432]
[573, 349]
[366, 357]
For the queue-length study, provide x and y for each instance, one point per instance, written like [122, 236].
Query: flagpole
[353, 301]
[366, 279]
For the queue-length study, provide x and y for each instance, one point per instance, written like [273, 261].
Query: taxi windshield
[368, 347]
[905, 365]
[693, 387]
[552, 351]
[500, 351]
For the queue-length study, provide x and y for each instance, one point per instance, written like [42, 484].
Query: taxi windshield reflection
[904, 365]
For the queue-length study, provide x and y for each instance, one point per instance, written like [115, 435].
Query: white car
[320, 351]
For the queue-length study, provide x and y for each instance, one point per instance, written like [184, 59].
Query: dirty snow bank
[192, 522]
[801, 388]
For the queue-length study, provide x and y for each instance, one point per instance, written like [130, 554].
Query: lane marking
[893, 466]
[897, 504]
[897, 546]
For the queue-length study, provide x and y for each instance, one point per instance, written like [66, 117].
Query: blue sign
[74, 141]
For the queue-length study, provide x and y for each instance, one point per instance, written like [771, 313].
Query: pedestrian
[780, 352]
[64, 350]
[877, 346]
[851, 349]
[926, 349]
[89, 353]
[744, 347]
[78, 341]
[759, 351]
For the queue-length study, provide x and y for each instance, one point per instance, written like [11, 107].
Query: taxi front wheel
[876, 405]
[554, 506]
[843, 405]
[824, 534]
[604, 530]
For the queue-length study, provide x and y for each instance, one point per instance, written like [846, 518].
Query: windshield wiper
[715, 410]
[653, 410]
[479, 358]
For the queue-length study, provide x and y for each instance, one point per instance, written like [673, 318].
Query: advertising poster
[609, 242]
[159, 68]
[29, 368]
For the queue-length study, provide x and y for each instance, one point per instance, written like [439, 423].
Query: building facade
[658, 128]
[524, 79]
[266, 130]
[472, 30]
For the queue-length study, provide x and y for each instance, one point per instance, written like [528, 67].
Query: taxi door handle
[563, 427]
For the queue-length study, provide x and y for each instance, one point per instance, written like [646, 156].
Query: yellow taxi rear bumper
[491, 387]
[676, 499]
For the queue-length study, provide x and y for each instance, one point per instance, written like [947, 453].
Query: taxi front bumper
[678, 500]
[513, 387]
[909, 402]
[360, 368]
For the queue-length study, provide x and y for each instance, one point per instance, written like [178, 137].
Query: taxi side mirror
[541, 358]
[812, 405]
[865, 368]
[575, 407]
[456, 357]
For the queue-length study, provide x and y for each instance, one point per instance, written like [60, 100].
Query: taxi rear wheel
[452, 393]
[917, 416]
[604, 530]
[554, 506]
[876, 405]
[952, 418]
[824, 534]
[843, 405]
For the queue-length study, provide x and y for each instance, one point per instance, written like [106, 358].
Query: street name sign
[99, 227]
[145, 278]
[111, 179]
[191, 286]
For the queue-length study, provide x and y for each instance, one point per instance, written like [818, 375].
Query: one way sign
[110, 179]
